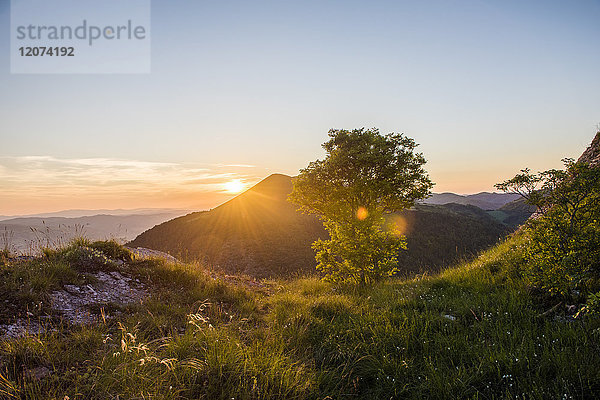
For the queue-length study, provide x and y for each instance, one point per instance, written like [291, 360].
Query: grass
[474, 331]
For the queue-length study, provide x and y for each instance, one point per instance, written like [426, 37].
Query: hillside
[257, 232]
[514, 213]
[261, 234]
[179, 332]
[440, 235]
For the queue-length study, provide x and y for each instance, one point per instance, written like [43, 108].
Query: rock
[75, 302]
[144, 253]
[20, 327]
[37, 373]
[450, 317]
[72, 289]
[591, 155]
[79, 304]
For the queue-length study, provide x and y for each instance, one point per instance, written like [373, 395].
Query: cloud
[48, 177]
[236, 165]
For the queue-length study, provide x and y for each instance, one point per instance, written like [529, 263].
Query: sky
[238, 90]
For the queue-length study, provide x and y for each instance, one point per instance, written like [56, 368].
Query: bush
[592, 305]
[83, 254]
[87, 258]
[564, 251]
[4, 255]
[565, 248]
[113, 249]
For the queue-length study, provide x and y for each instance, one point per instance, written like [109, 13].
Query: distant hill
[441, 235]
[90, 213]
[514, 213]
[27, 235]
[484, 200]
[261, 234]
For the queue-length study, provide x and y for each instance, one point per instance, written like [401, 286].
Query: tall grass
[473, 331]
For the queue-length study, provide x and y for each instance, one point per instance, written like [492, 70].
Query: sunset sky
[239, 90]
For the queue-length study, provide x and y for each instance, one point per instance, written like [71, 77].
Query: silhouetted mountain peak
[275, 185]
[270, 192]
[260, 233]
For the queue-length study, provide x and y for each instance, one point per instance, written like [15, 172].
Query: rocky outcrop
[142, 253]
[591, 155]
[83, 304]
[103, 288]
[112, 289]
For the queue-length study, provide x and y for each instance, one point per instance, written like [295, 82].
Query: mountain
[261, 234]
[483, 200]
[258, 232]
[28, 234]
[89, 213]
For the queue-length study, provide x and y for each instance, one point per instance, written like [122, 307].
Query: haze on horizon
[240, 90]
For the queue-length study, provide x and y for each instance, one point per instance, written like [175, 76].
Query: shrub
[87, 258]
[84, 254]
[112, 249]
[564, 251]
[4, 254]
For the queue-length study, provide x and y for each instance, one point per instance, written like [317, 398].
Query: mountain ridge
[80, 212]
[485, 200]
[28, 234]
[261, 234]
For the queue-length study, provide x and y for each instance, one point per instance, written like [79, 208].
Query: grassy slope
[471, 332]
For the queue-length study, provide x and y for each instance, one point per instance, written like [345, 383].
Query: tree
[564, 249]
[364, 176]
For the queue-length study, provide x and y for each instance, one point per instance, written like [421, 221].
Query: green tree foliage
[564, 251]
[364, 176]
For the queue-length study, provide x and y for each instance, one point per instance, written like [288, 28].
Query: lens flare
[362, 213]
[400, 225]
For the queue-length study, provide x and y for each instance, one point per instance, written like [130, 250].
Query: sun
[234, 186]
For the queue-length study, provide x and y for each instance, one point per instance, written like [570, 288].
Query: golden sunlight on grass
[234, 186]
